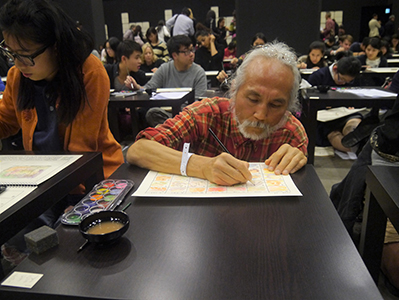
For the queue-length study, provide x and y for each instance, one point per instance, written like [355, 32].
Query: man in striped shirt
[255, 125]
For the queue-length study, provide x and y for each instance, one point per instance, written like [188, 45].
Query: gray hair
[274, 50]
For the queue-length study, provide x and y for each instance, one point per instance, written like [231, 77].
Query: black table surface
[88, 169]
[313, 101]
[382, 201]
[232, 248]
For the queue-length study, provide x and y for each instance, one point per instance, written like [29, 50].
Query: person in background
[210, 54]
[138, 35]
[150, 62]
[315, 57]
[329, 29]
[160, 49]
[182, 24]
[386, 51]
[389, 28]
[341, 73]
[220, 32]
[110, 50]
[163, 32]
[128, 61]
[129, 34]
[254, 125]
[210, 21]
[258, 40]
[229, 53]
[359, 48]
[181, 71]
[395, 43]
[373, 57]
[345, 42]
[374, 26]
[330, 44]
[57, 95]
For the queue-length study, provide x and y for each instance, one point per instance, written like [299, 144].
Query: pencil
[219, 141]
[223, 146]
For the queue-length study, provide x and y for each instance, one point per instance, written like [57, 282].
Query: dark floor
[332, 169]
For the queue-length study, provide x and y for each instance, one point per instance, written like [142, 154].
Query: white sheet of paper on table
[22, 279]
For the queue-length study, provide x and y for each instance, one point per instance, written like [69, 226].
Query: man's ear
[335, 68]
[174, 55]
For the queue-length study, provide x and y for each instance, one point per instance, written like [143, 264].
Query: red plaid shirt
[191, 126]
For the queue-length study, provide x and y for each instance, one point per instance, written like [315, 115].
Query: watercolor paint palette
[106, 195]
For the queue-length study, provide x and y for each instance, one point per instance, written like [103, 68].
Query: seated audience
[315, 57]
[160, 49]
[128, 56]
[150, 62]
[254, 125]
[341, 73]
[181, 71]
[57, 98]
[108, 56]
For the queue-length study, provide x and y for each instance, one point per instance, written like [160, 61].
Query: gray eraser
[41, 239]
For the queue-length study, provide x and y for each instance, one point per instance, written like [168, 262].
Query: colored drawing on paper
[264, 183]
[23, 172]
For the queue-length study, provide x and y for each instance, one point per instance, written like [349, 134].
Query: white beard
[267, 129]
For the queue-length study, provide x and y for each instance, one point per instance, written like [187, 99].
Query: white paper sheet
[372, 93]
[22, 279]
[266, 184]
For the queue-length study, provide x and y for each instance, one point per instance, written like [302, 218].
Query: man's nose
[261, 112]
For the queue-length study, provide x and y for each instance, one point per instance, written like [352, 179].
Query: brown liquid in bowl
[105, 227]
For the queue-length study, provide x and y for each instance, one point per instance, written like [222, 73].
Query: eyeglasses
[343, 80]
[188, 52]
[27, 60]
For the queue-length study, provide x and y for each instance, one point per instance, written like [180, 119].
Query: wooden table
[139, 100]
[382, 201]
[313, 100]
[88, 169]
[214, 248]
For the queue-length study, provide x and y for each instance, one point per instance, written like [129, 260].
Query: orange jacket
[88, 132]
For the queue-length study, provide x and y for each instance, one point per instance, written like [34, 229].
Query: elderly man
[254, 125]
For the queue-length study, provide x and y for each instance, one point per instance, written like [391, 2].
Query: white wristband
[184, 159]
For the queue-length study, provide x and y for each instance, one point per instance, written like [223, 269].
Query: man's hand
[222, 76]
[286, 160]
[224, 169]
[131, 83]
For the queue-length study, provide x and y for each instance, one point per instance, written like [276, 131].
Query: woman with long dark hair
[57, 92]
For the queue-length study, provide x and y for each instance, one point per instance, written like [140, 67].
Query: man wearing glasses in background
[341, 73]
[181, 71]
